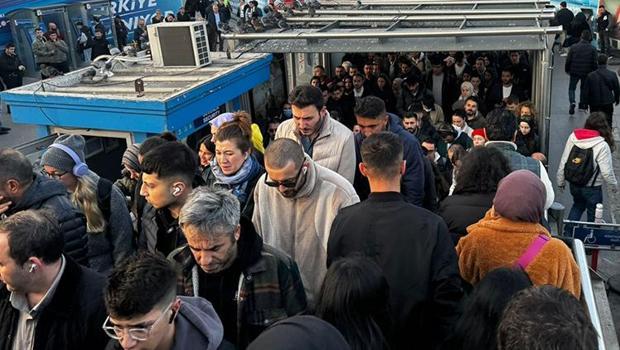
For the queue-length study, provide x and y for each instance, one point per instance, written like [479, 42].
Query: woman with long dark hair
[354, 298]
[476, 182]
[476, 329]
[594, 141]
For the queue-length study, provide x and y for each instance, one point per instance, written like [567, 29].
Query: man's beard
[412, 130]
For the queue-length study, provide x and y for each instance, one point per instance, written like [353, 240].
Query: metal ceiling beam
[432, 2]
[426, 12]
[425, 18]
[333, 24]
[409, 33]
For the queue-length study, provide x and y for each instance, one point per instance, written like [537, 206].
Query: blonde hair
[85, 198]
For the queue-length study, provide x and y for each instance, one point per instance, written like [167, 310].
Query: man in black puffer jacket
[20, 190]
[601, 90]
[581, 60]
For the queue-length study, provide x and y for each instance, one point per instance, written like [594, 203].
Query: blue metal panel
[184, 109]
[93, 113]
[181, 114]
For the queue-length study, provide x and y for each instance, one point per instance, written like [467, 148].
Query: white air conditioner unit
[179, 44]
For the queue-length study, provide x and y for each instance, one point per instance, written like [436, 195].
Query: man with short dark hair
[581, 60]
[410, 244]
[11, 68]
[226, 262]
[373, 118]
[295, 203]
[546, 317]
[498, 94]
[21, 189]
[167, 175]
[564, 17]
[475, 119]
[601, 90]
[325, 140]
[443, 84]
[500, 130]
[604, 22]
[146, 313]
[47, 301]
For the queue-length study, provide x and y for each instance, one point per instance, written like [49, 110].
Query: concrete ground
[561, 126]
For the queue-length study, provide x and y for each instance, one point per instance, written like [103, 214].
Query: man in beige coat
[296, 202]
[325, 140]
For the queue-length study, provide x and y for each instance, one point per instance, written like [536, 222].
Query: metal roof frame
[353, 26]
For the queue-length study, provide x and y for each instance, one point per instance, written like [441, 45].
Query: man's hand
[4, 206]
[21, 67]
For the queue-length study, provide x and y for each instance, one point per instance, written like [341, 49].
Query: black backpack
[580, 167]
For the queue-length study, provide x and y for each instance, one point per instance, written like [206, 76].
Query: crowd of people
[309, 236]
[399, 203]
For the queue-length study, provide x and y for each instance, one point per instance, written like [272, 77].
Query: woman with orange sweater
[510, 234]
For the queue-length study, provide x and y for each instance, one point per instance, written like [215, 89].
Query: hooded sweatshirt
[584, 139]
[197, 326]
[45, 193]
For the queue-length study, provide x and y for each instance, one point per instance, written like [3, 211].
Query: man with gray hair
[295, 204]
[250, 284]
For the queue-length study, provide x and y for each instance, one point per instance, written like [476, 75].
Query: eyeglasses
[288, 183]
[137, 334]
[54, 175]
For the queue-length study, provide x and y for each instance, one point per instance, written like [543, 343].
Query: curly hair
[481, 170]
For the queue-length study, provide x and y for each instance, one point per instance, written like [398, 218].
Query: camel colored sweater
[495, 242]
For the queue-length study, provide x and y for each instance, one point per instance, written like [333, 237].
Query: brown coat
[499, 242]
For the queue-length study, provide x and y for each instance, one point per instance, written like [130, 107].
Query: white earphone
[32, 268]
[176, 191]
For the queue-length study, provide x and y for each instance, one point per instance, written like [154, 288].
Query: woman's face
[204, 155]
[525, 111]
[381, 83]
[466, 76]
[66, 177]
[229, 157]
[524, 128]
[465, 91]
[478, 141]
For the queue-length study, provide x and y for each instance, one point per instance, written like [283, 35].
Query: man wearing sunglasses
[146, 314]
[295, 204]
[47, 300]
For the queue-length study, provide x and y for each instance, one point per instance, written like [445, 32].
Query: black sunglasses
[288, 183]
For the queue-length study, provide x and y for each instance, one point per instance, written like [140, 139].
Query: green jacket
[270, 289]
[42, 51]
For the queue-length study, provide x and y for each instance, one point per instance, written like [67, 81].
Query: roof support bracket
[390, 28]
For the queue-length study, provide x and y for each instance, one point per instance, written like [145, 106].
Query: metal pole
[409, 33]
[424, 18]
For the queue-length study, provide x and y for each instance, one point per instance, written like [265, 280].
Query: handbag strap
[532, 251]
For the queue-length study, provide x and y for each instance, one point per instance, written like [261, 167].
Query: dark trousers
[585, 198]
[572, 86]
[603, 41]
[607, 109]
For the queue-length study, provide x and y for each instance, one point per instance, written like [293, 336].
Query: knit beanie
[60, 159]
[520, 196]
[130, 157]
[479, 132]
